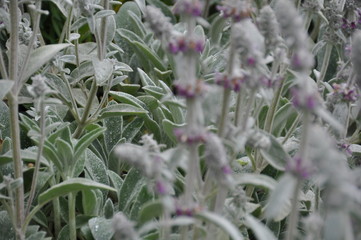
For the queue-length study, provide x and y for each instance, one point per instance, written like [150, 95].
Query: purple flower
[189, 138]
[190, 8]
[303, 100]
[182, 45]
[161, 188]
[298, 167]
[232, 83]
[188, 90]
[235, 9]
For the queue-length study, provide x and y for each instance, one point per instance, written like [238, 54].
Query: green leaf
[127, 98]
[220, 222]
[156, 92]
[168, 128]
[68, 186]
[142, 197]
[4, 120]
[6, 227]
[260, 230]
[26, 156]
[5, 87]
[122, 18]
[103, 70]
[259, 180]
[96, 169]
[89, 202]
[101, 228]
[136, 20]
[65, 152]
[121, 110]
[284, 115]
[40, 56]
[150, 55]
[85, 69]
[164, 8]
[150, 210]
[132, 129]
[129, 188]
[216, 29]
[146, 80]
[279, 203]
[63, 6]
[86, 140]
[108, 209]
[275, 154]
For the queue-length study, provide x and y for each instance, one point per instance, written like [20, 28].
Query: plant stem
[326, 60]
[3, 71]
[272, 109]
[30, 46]
[224, 112]
[292, 129]
[84, 118]
[293, 218]
[103, 33]
[72, 222]
[14, 120]
[38, 156]
[237, 113]
[72, 98]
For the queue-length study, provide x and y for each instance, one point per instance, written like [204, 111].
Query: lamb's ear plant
[232, 119]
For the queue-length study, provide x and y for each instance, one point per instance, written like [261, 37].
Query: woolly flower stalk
[39, 87]
[216, 160]
[249, 41]
[296, 37]
[235, 9]
[158, 22]
[85, 8]
[123, 228]
[356, 56]
[269, 27]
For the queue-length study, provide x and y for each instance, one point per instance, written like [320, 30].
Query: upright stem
[103, 33]
[224, 112]
[72, 222]
[14, 120]
[272, 109]
[3, 71]
[30, 46]
[84, 118]
[293, 218]
[39, 154]
[326, 60]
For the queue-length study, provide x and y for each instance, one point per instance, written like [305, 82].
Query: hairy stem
[38, 156]
[14, 120]
[84, 118]
[72, 222]
[293, 218]
[103, 33]
[30, 46]
[326, 60]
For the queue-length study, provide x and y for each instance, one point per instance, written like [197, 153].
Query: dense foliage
[198, 119]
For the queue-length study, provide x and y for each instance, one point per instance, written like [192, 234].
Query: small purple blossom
[189, 138]
[345, 147]
[190, 8]
[182, 45]
[160, 187]
[232, 83]
[187, 211]
[344, 92]
[189, 91]
[235, 9]
[303, 100]
[299, 168]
